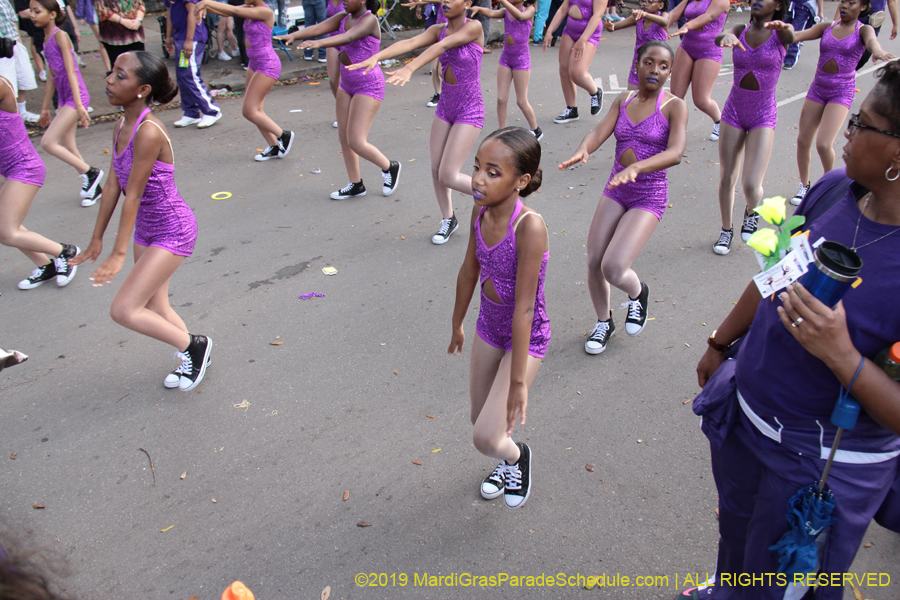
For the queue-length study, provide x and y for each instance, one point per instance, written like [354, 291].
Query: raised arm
[629, 21]
[715, 10]
[424, 39]
[731, 37]
[329, 25]
[671, 156]
[470, 32]
[662, 19]
[515, 13]
[867, 35]
[254, 13]
[813, 33]
[367, 25]
[488, 12]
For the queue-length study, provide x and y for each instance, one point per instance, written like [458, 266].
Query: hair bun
[533, 185]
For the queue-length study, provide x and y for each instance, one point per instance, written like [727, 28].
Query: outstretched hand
[678, 33]
[729, 40]
[90, 254]
[627, 175]
[580, 156]
[777, 25]
[400, 76]
[107, 270]
[367, 65]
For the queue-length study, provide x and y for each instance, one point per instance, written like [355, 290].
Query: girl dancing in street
[651, 22]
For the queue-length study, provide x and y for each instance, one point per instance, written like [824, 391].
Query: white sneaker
[208, 120]
[42, 75]
[714, 136]
[223, 56]
[174, 378]
[235, 53]
[185, 121]
[800, 195]
[30, 118]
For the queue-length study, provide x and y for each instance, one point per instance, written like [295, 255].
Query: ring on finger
[797, 322]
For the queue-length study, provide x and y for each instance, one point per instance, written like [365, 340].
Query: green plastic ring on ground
[221, 196]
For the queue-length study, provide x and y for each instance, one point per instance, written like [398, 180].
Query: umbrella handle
[847, 409]
[834, 447]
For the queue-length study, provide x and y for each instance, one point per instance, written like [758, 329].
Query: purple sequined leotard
[701, 43]
[358, 82]
[163, 219]
[751, 109]
[575, 27]
[19, 161]
[837, 88]
[330, 11]
[60, 78]
[461, 102]
[642, 36]
[649, 191]
[500, 264]
[261, 54]
[516, 56]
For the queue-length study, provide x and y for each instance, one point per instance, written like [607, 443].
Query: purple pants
[195, 98]
[832, 88]
[461, 103]
[516, 58]
[750, 109]
[365, 84]
[575, 27]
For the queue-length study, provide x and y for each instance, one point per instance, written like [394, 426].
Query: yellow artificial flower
[772, 210]
[764, 241]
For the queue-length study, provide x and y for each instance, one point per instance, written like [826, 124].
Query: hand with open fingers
[400, 76]
[108, 269]
[90, 254]
[367, 65]
[169, 45]
[680, 32]
[456, 342]
[516, 404]
[883, 56]
[638, 14]
[609, 26]
[578, 49]
[729, 40]
[777, 25]
[627, 175]
[819, 329]
[580, 156]
[309, 44]
[84, 119]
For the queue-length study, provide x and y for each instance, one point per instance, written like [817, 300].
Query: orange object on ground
[237, 591]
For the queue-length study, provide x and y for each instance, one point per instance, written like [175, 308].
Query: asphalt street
[306, 400]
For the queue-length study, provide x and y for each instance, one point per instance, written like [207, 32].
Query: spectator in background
[16, 69]
[186, 37]
[314, 11]
[875, 18]
[121, 27]
[225, 32]
[84, 10]
[239, 34]
[802, 14]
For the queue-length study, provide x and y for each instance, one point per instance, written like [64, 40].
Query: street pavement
[307, 400]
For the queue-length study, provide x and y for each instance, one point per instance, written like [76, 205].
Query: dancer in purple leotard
[507, 259]
[831, 92]
[698, 59]
[460, 111]
[651, 22]
[750, 115]
[24, 172]
[164, 226]
[515, 59]
[333, 7]
[577, 47]
[650, 126]
[59, 139]
[263, 70]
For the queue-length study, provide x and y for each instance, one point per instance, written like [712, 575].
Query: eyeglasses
[855, 123]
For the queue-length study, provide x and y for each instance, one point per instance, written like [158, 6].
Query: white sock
[21, 106]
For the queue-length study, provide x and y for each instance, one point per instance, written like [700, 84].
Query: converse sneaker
[285, 142]
[268, 154]
[448, 226]
[351, 190]
[723, 245]
[493, 485]
[518, 478]
[637, 311]
[749, 226]
[39, 276]
[800, 195]
[65, 271]
[714, 136]
[391, 177]
[434, 101]
[193, 368]
[599, 336]
[186, 120]
[570, 114]
[537, 133]
[597, 101]
[90, 184]
[174, 378]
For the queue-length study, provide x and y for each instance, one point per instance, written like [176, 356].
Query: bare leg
[450, 146]
[229, 33]
[756, 161]
[565, 80]
[682, 68]
[333, 66]
[220, 34]
[520, 80]
[362, 113]
[436, 75]
[703, 79]
[254, 98]
[578, 70]
[59, 139]
[731, 150]
[351, 159]
[831, 125]
[810, 117]
[15, 200]
[504, 80]
[159, 302]
[95, 29]
[603, 227]
[130, 307]
[36, 57]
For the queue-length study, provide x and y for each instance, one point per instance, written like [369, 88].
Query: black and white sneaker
[493, 485]
[714, 136]
[351, 190]
[448, 226]
[570, 114]
[65, 271]
[723, 245]
[391, 177]
[268, 154]
[434, 101]
[90, 186]
[196, 360]
[173, 379]
[800, 195]
[39, 276]
[599, 336]
[597, 101]
[518, 478]
[537, 133]
[637, 311]
[749, 226]
[285, 142]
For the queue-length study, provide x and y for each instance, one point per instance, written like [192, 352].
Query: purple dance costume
[751, 109]
[642, 36]
[358, 82]
[461, 102]
[19, 161]
[701, 43]
[261, 54]
[516, 56]
[163, 219]
[330, 11]
[575, 27]
[649, 191]
[837, 88]
[60, 79]
[500, 264]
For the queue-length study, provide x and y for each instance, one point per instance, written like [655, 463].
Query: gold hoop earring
[888, 177]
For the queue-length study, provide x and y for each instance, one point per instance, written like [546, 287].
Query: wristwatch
[716, 345]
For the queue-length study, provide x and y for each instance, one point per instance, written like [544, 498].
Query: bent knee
[484, 442]
[613, 272]
[121, 314]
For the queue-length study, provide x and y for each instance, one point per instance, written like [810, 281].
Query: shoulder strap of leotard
[629, 98]
[141, 121]
[522, 215]
[3, 79]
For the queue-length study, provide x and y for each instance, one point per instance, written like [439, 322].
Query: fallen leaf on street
[346, 495]
[417, 462]
[436, 450]
[38, 506]
[13, 456]
[276, 343]
[395, 372]
[590, 468]
[166, 529]
[326, 592]
[688, 400]
[640, 441]
[430, 416]
[213, 500]
[183, 475]
[363, 524]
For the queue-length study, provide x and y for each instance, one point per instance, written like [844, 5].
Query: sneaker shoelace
[388, 178]
[600, 330]
[751, 222]
[634, 309]
[37, 273]
[513, 476]
[716, 129]
[445, 227]
[595, 99]
[187, 365]
[724, 238]
[499, 472]
[346, 190]
[61, 264]
[85, 182]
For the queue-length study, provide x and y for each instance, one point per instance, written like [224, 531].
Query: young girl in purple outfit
[333, 65]
[263, 70]
[507, 259]
[650, 126]
[163, 224]
[651, 22]
[459, 116]
[59, 139]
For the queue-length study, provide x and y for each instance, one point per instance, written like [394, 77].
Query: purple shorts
[699, 47]
[64, 92]
[750, 109]
[500, 334]
[517, 57]
[268, 65]
[155, 226]
[649, 194]
[365, 84]
[21, 162]
[832, 88]
[461, 103]
[575, 27]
